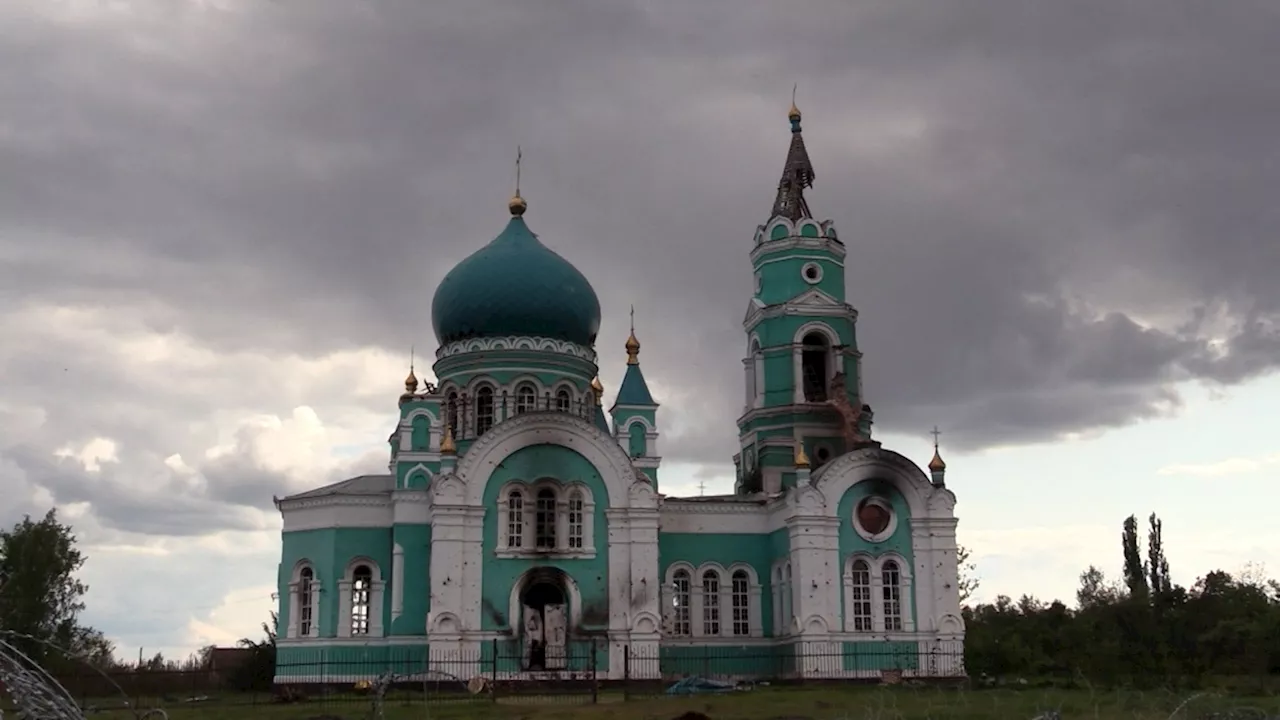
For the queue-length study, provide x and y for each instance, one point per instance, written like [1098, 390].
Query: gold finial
[598, 389]
[411, 381]
[936, 464]
[517, 204]
[802, 460]
[794, 113]
[633, 345]
[447, 446]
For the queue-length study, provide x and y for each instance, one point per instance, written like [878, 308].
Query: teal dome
[515, 285]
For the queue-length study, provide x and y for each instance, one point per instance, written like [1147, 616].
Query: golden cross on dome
[935, 433]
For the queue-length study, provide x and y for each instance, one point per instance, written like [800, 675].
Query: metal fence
[587, 672]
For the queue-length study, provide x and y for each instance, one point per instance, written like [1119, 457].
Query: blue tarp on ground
[698, 685]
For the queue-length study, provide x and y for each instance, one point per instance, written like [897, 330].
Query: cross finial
[633, 319]
[411, 357]
[702, 487]
[518, 156]
[793, 92]
[935, 433]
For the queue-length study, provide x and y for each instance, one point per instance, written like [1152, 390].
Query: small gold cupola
[802, 458]
[597, 389]
[447, 445]
[937, 468]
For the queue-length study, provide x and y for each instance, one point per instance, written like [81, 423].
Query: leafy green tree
[257, 673]
[1135, 574]
[1157, 564]
[41, 596]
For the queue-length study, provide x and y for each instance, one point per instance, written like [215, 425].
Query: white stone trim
[295, 602]
[376, 589]
[867, 535]
[397, 582]
[797, 355]
[338, 514]
[818, 273]
[836, 477]
[516, 342]
[875, 565]
[564, 429]
[573, 594]
[563, 492]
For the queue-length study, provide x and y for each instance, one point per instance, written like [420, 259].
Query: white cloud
[1220, 468]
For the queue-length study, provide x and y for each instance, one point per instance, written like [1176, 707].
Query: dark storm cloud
[1052, 211]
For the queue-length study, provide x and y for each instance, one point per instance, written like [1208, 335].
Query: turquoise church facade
[521, 530]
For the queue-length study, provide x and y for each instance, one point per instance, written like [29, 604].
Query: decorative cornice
[336, 501]
[516, 342]
[793, 242]
[756, 314]
[705, 507]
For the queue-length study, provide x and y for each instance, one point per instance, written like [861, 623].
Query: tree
[1135, 574]
[1157, 564]
[257, 673]
[967, 579]
[41, 596]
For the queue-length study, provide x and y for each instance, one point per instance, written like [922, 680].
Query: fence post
[493, 674]
[595, 682]
[626, 672]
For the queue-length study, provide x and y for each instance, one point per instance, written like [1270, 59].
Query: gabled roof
[359, 485]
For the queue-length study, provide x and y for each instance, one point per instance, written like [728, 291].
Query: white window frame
[906, 587]
[710, 589]
[527, 521]
[671, 607]
[797, 359]
[525, 398]
[345, 605]
[295, 602]
[724, 601]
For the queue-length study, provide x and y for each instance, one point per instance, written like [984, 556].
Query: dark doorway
[545, 617]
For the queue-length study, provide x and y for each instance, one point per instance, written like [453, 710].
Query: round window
[874, 519]
[812, 272]
[823, 454]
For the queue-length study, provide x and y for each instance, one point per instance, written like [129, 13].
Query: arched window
[545, 520]
[361, 587]
[564, 401]
[306, 609]
[636, 441]
[421, 433]
[891, 579]
[515, 519]
[710, 603]
[484, 409]
[815, 354]
[451, 412]
[741, 600]
[680, 589]
[526, 398]
[860, 608]
[576, 511]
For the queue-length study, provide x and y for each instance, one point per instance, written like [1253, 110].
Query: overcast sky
[222, 222]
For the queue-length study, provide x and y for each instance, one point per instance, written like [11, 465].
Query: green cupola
[515, 286]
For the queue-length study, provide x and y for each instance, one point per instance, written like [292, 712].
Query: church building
[521, 530]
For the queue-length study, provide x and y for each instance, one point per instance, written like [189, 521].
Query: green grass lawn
[868, 703]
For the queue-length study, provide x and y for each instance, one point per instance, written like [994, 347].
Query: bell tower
[802, 365]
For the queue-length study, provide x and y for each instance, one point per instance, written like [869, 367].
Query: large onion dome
[515, 286]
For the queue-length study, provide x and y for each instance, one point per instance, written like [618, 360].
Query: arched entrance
[544, 626]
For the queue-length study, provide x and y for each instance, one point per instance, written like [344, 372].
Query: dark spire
[797, 174]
